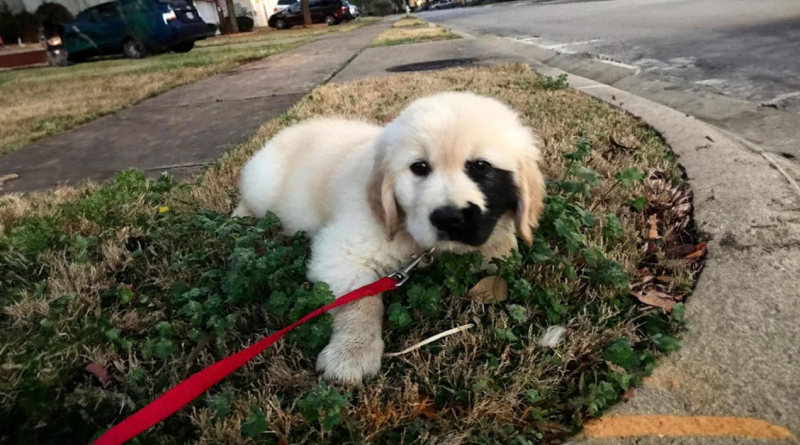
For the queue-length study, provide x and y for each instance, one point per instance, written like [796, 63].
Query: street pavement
[742, 48]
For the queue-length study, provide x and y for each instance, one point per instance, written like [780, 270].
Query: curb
[768, 129]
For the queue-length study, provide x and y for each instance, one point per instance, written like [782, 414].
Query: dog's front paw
[349, 361]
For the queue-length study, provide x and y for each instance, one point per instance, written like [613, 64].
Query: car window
[83, 16]
[107, 11]
[314, 4]
[286, 2]
[295, 7]
[89, 15]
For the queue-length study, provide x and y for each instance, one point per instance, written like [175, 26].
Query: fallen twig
[430, 340]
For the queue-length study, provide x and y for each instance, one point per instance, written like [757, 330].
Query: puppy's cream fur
[348, 185]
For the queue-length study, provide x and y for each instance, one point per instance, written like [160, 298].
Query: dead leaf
[700, 250]
[489, 290]
[653, 222]
[100, 372]
[627, 395]
[655, 298]
[617, 144]
[616, 147]
[643, 277]
[616, 368]
[680, 251]
[682, 209]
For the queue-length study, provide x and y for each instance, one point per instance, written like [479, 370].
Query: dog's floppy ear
[380, 194]
[530, 186]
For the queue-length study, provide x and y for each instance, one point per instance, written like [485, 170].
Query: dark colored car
[322, 11]
[131, 27]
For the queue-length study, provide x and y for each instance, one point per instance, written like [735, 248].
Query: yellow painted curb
[683, 426]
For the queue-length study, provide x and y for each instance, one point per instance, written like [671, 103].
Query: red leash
[186, 391]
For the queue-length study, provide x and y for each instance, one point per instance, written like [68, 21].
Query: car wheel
[330, 20]
[182, 47]
[280, 24]
[133, 48]
[78, 58]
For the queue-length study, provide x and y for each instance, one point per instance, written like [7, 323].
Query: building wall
[14, 6]
[258, 10]
[208, 11]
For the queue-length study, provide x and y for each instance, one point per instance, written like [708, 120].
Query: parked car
[283, 4]
[443, 4]
[134, 28]
[322, 11]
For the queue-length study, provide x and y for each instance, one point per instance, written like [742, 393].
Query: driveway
[745, 49]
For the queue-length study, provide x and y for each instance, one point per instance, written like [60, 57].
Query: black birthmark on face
[500, 196]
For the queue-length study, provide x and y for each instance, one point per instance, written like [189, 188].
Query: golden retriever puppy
[455, 171]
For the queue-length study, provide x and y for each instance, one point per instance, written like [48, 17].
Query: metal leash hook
[404, 273]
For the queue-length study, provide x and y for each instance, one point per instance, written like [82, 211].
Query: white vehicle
[353, 9]
[443, 4]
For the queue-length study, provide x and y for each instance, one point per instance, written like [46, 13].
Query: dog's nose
[446, 218]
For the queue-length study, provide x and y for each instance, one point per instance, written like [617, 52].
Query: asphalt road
[747, 49]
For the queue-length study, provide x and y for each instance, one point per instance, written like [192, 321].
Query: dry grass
[468, 388]
[410, 21]
[412, 30]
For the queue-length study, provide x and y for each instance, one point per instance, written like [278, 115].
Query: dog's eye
[420, 168]
[480, 166]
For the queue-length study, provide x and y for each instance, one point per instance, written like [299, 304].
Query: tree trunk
[234, 27]
[306, 13]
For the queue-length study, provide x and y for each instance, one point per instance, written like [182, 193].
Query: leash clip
[404, 273]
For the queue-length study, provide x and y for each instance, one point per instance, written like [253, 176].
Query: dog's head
[451, 166]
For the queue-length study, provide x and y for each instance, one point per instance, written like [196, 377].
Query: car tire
[330, 20]
[78, 58]
[280, 24]
[133, 48]
[182, 47]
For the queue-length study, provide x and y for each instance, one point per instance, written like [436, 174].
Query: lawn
[41, 102]
[412, 30]
[147, 281]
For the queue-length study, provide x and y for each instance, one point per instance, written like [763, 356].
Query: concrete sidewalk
[740, 361]
[188, 127]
